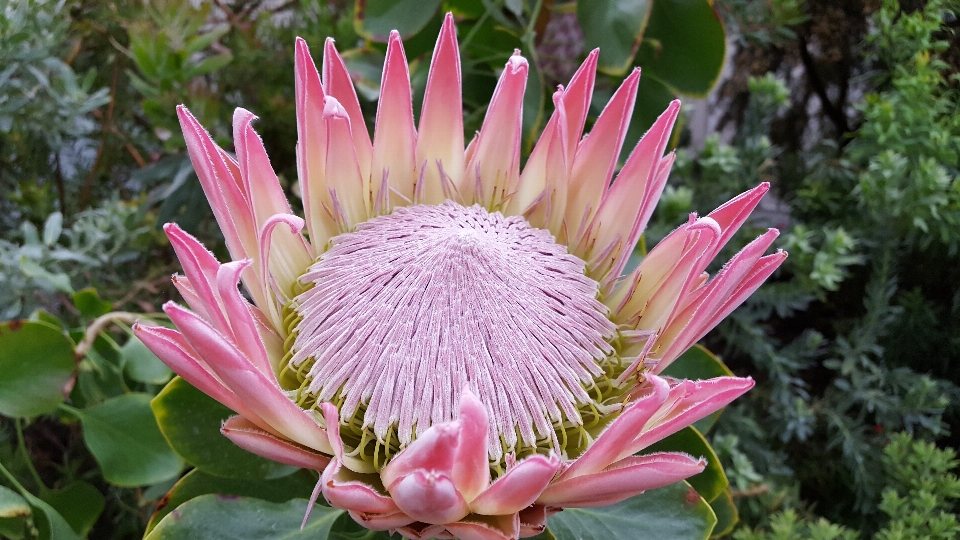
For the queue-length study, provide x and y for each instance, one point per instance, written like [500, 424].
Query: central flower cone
[451, 341]
[445, 298]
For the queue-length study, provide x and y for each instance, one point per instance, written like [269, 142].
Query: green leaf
[465, 9]
[80, 504]
[140, 364]
[616, 26]
[196, 482]
[89, 304]
[201, 42]
[49, 523]
[59, 281]
[37, 362]
[14, 511]
[726, 512]
[215, 517]
[366, 68]
[652, 99]
[672, 512]
[374, 19]
[712, 481]
[190, 420]
[684, 46]
[52, 228]
[697, 363]
[13, 528]
[123, 436]
[208, 65]
[12, 505]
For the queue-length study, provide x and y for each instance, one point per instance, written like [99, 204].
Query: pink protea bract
[449, 339]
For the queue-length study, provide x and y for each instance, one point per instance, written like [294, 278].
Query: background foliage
[849, 109]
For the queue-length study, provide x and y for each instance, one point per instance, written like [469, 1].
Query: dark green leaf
[13, 528]
[697, 363]
[89, 304]
[49, 523]
[709, 483]
[215, 517]
[616, 26]
[201, 42]
[80, 504]
[195, 483]
[374, 19]
[672, 512]
[652, 99]
[684, 46]
[190, 420]
[36, 361]
[726, 512]
[123, 436]
[140, 364]
[466, 9]
[208, 65]
[12, 505]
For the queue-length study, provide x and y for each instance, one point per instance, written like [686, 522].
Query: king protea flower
[452, 341]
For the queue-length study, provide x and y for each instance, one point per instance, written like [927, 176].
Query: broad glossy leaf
[89, 304]
[698, 363]
[123, 436]
[684, 46]
[216, 517]
[14, 511]
[712, 481]
[652, 99]
[726, 512]
[190, 420]
[466, 9]
[616, 26]
[36, 361]
[674, 512]
[80, 504]
[196, 482]
[49, 523]
[12, 505]
[374, 19]
[345, 528]
[140, 364]
[13, 528]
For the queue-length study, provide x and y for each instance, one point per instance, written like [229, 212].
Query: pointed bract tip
[706, 223]
[558, 99]
[333, 109]
[243, 117]
[516, 62]
[301, 47]
[394, 35]
[186, 117]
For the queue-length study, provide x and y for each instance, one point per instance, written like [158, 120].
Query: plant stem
[97, 326]
[26, 455]
[19, 487]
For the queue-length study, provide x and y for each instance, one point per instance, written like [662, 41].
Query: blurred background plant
[848, 109]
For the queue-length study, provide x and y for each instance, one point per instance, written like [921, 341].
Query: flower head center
[402, 314]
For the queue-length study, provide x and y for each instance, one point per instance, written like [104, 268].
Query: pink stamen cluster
[413, 307]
